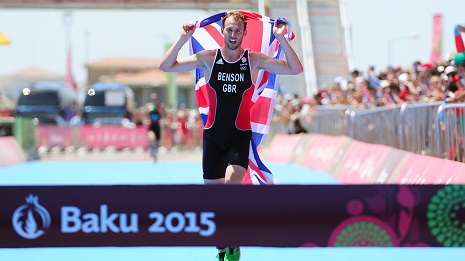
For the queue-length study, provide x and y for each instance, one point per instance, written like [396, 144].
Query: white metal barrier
[417, 128]
[327, 119]
[378, 125]
[451, 132]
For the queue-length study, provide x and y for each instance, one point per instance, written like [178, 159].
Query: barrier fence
[331, 120]
[451, 131]
[373, 125]
[434, 129]
[417, 128]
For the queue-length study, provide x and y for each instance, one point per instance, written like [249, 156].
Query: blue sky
[38, 36]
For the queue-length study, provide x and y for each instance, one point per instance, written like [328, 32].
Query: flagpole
[67, 22]
[87, 46]
[261, 7]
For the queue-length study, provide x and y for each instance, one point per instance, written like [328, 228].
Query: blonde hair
[237, 16]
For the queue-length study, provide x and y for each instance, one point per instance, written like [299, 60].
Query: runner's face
[233, 33]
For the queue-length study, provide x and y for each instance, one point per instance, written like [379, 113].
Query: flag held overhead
[260, 38]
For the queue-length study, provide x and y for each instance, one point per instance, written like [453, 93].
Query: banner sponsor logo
[31, 219]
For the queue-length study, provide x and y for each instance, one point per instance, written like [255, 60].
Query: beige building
[143, 77]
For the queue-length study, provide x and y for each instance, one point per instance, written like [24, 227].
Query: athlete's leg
[152, 142]
[221, 253]
[238, 159]
[213, 161]
[235, 174]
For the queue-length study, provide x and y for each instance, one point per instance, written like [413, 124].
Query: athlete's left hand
[279, 29]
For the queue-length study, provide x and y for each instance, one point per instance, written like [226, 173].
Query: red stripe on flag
[265, 77]
[201, 101]
[251, 15]
[459, 44]
[247, 180]
[253, 38]
[215, 34]
[258, 171]
[259, 112]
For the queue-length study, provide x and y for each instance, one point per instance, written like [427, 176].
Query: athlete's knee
[235, 174]
[153, 143]
[151, 135]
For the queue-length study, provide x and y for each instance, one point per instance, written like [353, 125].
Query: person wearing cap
[459, 64]
[407, 90]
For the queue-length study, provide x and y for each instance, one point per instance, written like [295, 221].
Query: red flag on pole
[69, 73]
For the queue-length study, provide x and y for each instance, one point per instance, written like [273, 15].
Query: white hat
[343, 84]
[359, 79]
[449, 69]
[384, 84]
[403, 77]
[338, 79]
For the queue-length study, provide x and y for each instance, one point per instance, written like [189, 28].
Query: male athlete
[154, 132]
[230, 73]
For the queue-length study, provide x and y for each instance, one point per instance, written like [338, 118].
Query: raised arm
[291, 65]
[170, 61]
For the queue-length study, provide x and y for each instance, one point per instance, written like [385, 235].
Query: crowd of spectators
[422, 82]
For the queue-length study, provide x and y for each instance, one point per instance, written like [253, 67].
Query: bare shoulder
[206, 57]
[254, 56]
[257, 58]
[207, 53]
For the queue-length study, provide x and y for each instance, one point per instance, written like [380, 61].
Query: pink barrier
[54, 136]
[283, 148]
[104, 136]
[354, 162]
[113, 136]
[419, 169]
[323, 151]
[11, 152]
[359, 165]
[389, 166]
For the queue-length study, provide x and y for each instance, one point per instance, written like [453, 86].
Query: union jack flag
[259, 38]
[458, 40]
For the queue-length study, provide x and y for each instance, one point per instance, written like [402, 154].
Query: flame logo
[25, 222]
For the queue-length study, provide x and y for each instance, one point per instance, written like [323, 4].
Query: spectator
[77, 120]
[459, 63]
[437, 90]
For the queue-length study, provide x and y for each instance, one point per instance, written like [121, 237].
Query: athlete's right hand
[187, 30]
